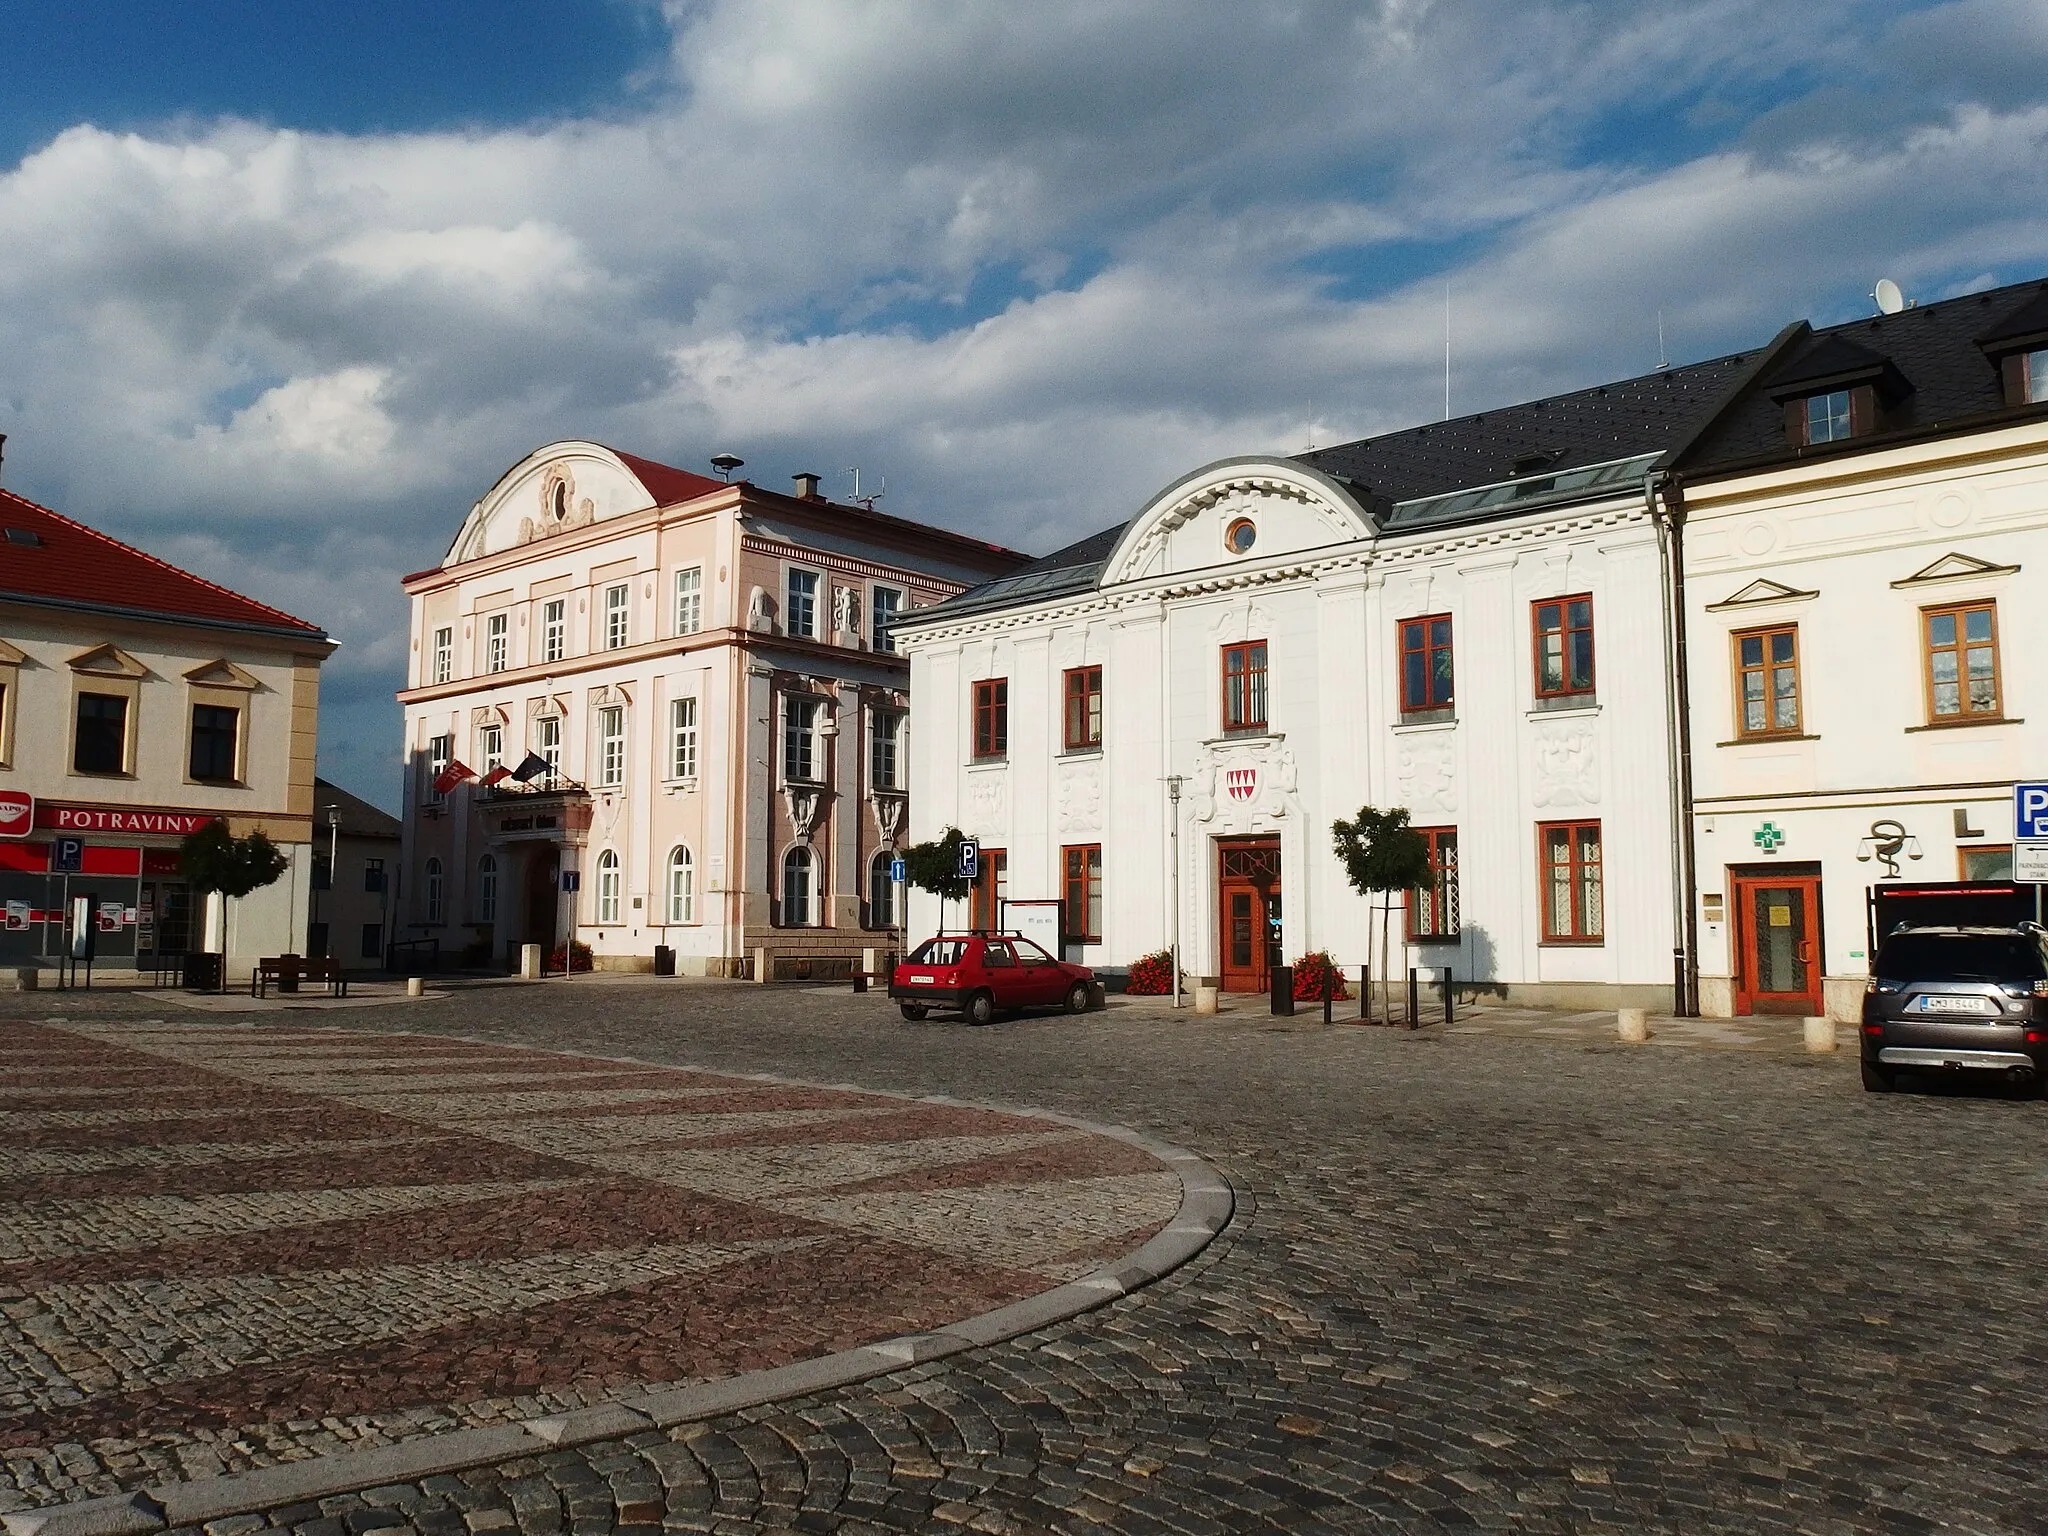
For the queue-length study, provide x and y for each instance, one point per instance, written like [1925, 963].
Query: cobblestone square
[1489, 1280]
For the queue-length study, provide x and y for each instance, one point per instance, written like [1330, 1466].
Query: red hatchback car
[982, 973]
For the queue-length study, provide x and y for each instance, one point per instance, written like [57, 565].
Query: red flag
[451, 776]
[497, 775]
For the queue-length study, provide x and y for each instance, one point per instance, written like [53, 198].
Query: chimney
[806, 487]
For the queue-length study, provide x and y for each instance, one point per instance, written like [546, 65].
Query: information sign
[896, 870]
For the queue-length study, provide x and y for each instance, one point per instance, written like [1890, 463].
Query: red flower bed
[570, 957]
[1309, 973]
[1152, 976]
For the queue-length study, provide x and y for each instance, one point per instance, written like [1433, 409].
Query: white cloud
[1028, 262]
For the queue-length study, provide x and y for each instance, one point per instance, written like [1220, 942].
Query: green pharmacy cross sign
[1769, 837]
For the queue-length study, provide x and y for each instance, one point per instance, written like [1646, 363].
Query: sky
[285, 288]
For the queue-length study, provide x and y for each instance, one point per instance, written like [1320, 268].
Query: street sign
[67, 855]
[896, 870]
[2030, 863]
[572, 880]
[970, 859]
[2030, 813]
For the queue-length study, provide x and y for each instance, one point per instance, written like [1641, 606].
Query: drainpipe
[1664, 500]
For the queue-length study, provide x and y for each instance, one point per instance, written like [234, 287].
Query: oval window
[1240, 536]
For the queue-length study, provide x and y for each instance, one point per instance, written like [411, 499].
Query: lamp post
[1173, 784]
[333, 863]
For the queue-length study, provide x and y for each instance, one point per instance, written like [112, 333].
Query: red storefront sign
[114, 818]
[98, 859]
[17, 813]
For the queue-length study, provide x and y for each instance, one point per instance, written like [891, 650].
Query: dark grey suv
[1958, 1000]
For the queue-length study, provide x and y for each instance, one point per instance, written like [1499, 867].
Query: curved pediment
[1237, 512]
[555, 490]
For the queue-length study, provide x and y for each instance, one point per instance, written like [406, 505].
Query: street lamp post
[333, 864]
[1173, 784]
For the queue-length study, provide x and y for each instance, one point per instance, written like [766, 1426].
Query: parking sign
[67, 855]
[2030, 813]
[970, 859]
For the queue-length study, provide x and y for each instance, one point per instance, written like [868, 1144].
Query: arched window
[435, 890]
[487, 889]
[608, 887]
[881, 892]
[682, 887]
[796, 888]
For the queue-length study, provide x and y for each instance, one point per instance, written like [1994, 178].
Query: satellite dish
[726, 463]
[1889, 299]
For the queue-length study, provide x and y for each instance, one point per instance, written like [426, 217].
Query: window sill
[1565, 704]
[1247, 733]
[1441, 714]
[1964, 725]
[101, 773]
[1094, 751]
[999, 760]
[680, 786]
[1428, 722]
[217, 783]
[1571, 943]
[1767, 739]
[1434, 940]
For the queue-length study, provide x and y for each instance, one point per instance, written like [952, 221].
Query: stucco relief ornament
[802, 805]
[987, 800]
[845, 610]
[1081, 798]
[1427, 773]
[559, 508]
[1567, 766]
[888, 815]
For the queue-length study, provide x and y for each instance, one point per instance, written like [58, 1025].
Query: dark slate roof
[1939, 361]
[357, 816]
[1072, 569]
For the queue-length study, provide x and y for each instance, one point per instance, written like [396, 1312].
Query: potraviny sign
[116, 818]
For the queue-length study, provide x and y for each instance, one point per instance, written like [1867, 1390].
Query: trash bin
[203, 971]
[1283, 990]
[664, 960]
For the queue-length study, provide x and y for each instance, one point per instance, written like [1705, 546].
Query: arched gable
[1288, 508]
[552, 490]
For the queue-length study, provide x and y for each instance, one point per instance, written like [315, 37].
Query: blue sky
[286, 287]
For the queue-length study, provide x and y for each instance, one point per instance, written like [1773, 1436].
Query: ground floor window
[1081, 886]
[1433, 909]
[373, 942]
[1573, 898]
[882, 891]
[796, 888]
[1991, 863]
[682, 887]
[991, 890]
[487, 889]
[316, 941]
[436, 891]
[608, 886]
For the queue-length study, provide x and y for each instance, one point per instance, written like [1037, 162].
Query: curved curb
[1206, 1206]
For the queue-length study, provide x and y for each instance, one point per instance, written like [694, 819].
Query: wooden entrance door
[543, 891]
[1778, 948]
[1248, 911]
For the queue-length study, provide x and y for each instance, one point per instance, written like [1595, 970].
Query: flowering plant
[1151, 976]
[1309, 973]
[573, 956]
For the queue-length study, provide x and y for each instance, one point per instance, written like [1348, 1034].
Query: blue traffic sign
[2030, 813]
[67, 855]
[970, 859]
[896, 870]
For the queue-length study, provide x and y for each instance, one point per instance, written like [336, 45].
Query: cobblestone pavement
[222, 1248]
[1476, 1281]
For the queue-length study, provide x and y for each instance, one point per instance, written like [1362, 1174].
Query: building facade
[1866, 546]
[355, 866]
[138, 703]
[649, 708]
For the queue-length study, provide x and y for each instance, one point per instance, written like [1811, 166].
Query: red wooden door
[1778, 948]
[1248, 912]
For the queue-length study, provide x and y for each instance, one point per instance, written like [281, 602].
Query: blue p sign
[67, 855]
[970, 859]
[2030, 813]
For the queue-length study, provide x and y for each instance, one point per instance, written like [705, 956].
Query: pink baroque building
[646, 708]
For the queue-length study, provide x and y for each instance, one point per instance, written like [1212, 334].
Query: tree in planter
[1382, 853]
[213, 859]
[935, 867]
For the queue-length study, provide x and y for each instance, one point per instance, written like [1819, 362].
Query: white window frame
[497, 642]
[618, 615]
[885, 735]
[882, 913]
[689, 599]
[682, 738]
[609, 885]
[490, 746]
[807, 918]
[810, 604]
[547, 742]
[554, 629]
[878, 621]
[682, 885]
[487, 888]
[440, 752]
[434, 883]
[611, 746]
[444, 654]
[800, 739]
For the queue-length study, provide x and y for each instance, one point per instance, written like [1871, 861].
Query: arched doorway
[1248, 911]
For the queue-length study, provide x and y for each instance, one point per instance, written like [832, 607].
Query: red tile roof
[668, 485]
[73, 566]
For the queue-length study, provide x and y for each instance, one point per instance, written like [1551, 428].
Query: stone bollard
[762, 968]
[27, 978]
[1820, 1034]
[529, 962]
[1632, 1025]
[1206, 999]
[415, 986]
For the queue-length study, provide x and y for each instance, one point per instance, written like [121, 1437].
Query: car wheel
[914, 1011]
[1876, 1079]
[981, 1009]
[1077, 997]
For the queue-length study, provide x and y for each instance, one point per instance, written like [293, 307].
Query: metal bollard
[1283, 991]
[1450, 992]
[1365, 993]
[1329, 991]
[1414, 1007]
[860, 980]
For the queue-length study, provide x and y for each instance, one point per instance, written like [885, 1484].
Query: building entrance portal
[1778, 953]
[543, 890]
[1248, 916]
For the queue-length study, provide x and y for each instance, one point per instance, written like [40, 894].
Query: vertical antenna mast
[1447, 351]
[1311, 425]
[1663, 357]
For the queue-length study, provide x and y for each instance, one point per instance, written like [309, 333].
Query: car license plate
[1954, 1005]
[922, 981]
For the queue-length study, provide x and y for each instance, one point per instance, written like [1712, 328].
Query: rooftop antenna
[869, 499]
[1447, 351]
[1311, 448]
[1887, 296]
[1663, 357]
[726, 463]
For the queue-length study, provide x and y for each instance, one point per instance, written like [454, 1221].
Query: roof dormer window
[1827, 417]
[2034, 377]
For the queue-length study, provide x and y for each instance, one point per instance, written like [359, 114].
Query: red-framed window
[1564, 645]
[992, 717]
[1082, 688]
[1081, 883]
[1426, 671]
[1573, 895]
[991, 890]
[1433, 909]
[1244, 686]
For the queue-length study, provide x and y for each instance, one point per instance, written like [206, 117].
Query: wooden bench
[290, 972]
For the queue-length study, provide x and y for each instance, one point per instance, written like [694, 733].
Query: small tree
[1382, 853]
[935, 867]
[212, 859]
